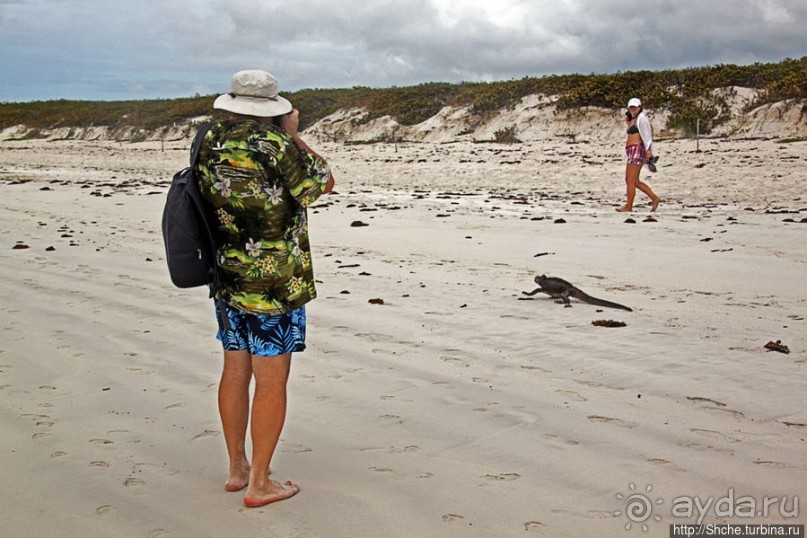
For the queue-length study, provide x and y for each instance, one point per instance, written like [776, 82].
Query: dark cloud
[98, 49]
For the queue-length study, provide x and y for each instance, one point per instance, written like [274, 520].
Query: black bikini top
[633, 130]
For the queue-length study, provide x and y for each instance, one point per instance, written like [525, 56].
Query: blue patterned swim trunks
[262, 336]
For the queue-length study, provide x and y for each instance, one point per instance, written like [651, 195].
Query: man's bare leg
[234, 410]
[268, 416]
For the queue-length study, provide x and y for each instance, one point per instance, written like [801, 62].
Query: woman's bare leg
[234, 411]
[631, 179]
[268, 416]
[645, 188]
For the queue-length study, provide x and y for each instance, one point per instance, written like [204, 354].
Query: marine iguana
[562, 290]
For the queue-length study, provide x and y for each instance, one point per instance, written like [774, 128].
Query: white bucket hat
[635, 101]
[253, 93]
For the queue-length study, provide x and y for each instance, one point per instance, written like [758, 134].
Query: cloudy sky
[127, 49]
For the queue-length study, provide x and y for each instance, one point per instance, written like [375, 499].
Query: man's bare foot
[273, 493]
[654, 204]
[239, 477]
[625, 209]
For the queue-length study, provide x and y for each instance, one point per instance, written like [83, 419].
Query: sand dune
[455, 408]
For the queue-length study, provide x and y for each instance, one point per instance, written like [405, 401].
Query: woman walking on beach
[257, 177]
[639, 149]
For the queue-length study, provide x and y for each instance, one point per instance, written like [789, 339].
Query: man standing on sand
[257, 177]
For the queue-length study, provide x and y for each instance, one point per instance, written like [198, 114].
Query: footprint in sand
[35, 416]
[718, 406]
[533, 526]
[456, 361]
[698, 399]
[702, 447]
[558, 439]
[774, 464]
[206, 433]
[503, 477]
[295, 448]
[590, 514]
[615, 421]
[715, 435]
[156, 533]
[788, 424]
[140, 371]
[132, 482]
[424, 474]
[532, 367]
[58, 454]
[381, 469]
[572, 395]
[592, 384]
[666, 463]
[448, 518]
[102, 442]
[103, 509]
[373, 337]
[100, 464]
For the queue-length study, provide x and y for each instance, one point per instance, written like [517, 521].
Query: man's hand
[329, 186]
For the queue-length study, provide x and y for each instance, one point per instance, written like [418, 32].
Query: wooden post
[395, 140]
[698, 135]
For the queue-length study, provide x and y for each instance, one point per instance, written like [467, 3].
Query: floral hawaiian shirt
[257, 183]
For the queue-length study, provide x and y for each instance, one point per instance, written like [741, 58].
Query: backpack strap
[198, 199]
[215, 281]
[197, 141]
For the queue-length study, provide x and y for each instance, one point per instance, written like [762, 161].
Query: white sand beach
[455, 408]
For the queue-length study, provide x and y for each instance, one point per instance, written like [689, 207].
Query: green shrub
[508, 135]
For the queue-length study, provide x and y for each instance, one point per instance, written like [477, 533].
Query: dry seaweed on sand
[608, 323]
[777, 346]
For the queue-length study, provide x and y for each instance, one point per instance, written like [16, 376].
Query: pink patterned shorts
[636, 154]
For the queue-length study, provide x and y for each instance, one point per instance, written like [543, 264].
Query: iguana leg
[532, 292]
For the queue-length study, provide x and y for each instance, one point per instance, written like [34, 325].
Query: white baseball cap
[635, 101]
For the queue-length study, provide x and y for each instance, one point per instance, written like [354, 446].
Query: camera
[628, 115]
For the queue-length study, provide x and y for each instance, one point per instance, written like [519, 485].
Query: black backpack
[190, 249]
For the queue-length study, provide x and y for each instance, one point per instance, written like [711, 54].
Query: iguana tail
[586, 298]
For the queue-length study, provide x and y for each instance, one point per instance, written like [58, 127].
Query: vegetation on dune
[689, 94]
